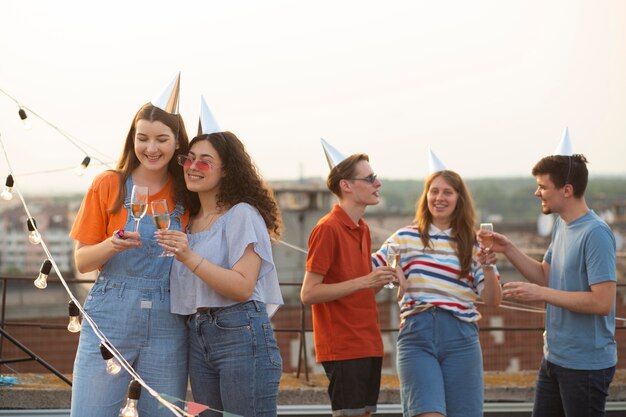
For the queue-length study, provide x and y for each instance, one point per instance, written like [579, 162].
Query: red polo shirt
[346, 328]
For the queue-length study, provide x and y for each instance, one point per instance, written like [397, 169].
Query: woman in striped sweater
[442, 272]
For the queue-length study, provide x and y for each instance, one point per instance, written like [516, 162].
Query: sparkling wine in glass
[161, 217]
[138, 203]
[486, 237]
[393, 258]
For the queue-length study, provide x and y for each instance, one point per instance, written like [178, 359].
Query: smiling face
[207, 176]
[550, 196]
[442, 199]
[154, 144]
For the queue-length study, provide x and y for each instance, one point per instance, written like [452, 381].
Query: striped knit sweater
[432, 274]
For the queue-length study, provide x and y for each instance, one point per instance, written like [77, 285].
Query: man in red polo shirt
[340, 285]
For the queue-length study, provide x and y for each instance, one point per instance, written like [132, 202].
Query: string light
[80, 170]
[24, 117]
[8, 188]
[42, 280]
[74, 324]
[113, 367]
[33, 236]
[134, 392]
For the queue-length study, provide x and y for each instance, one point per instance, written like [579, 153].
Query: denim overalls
[130, 303]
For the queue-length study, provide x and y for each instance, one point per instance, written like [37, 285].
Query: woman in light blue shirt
[224, 278]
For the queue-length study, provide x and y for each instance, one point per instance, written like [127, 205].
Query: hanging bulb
[80, 170]
[33, 236]
[74, 325]
[25, 121]
[134, 392]
[8, 187]
[42, 280]
[113, 367]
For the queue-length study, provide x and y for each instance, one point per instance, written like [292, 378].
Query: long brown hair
[129, 161]
[462, 222]
[241, 182]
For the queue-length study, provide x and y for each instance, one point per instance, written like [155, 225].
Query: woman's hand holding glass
[125, 239]
[174, 241]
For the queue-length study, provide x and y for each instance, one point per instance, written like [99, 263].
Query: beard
[546, 210]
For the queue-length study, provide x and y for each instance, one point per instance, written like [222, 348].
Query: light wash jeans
[130, 303]
[234, 361]
[440, 365]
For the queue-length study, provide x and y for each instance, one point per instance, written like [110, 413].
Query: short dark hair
[343, 171]
[565, 170]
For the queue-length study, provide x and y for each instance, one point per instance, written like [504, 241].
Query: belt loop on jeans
[122, 287]
[256, 305]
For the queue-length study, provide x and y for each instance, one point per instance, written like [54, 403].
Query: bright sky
[488, 85]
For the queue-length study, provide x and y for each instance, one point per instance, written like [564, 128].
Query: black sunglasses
[371, 178]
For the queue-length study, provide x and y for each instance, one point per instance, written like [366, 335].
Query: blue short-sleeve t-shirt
[581, 254]
[223, 244]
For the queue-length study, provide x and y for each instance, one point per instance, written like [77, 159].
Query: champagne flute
[138, 203]
[161, 217]
[392, 255]
[486, 238]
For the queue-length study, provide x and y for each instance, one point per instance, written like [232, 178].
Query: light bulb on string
[33, 235]
[134, 392]
[80, 170]
[113, 367]
[42, 280]
[74, 324]
[24, 117]
[8, 188]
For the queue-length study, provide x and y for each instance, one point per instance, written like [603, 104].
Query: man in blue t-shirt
[577, 281]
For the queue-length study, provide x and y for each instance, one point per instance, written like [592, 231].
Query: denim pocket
[234, 320]
[273, 352]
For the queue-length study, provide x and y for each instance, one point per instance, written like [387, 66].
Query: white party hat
[333, 156]
[168, 99]
[434, 163]
[207, 123]
[565, 147]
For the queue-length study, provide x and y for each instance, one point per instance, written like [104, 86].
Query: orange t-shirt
[95, 222]
[346, 328]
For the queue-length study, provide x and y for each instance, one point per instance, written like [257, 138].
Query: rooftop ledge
[46, 391]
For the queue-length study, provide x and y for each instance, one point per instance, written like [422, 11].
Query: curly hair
[463, 218]
[129, 161]
[242, 182]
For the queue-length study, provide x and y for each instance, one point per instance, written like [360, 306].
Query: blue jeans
[440, 365]
[563, 392]
[234, 361]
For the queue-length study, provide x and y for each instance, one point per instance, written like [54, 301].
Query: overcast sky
[488, 85]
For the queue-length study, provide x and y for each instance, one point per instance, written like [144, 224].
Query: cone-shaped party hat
[565, 147]
[434, 163]
[168, 99]
[207, 123]
[333, 156]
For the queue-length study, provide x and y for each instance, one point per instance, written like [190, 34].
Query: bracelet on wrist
[197, 265]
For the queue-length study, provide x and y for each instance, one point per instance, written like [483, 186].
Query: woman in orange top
[130, 300]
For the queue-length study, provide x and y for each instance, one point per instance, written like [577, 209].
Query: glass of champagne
[138, 203]
[161, 217]
[486, 238]
[392, 255]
